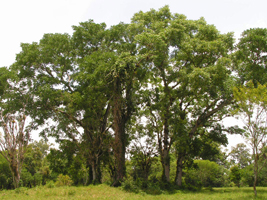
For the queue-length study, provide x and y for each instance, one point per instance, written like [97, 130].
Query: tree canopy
[162, 78]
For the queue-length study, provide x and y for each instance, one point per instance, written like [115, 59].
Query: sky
[26, 21]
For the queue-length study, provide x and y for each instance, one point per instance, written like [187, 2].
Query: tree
[15, 133]
[35, 162]
[250, 57]
[240, 155]
[189, 79]
[253, 111]
[143, 152]
[13, 142]
[64, 78]
[235, 175]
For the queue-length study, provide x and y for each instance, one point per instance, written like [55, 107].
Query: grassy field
[106, 192]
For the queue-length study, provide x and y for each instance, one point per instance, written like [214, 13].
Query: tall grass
[105, 192]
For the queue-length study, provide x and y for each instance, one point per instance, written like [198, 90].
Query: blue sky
[25, 21]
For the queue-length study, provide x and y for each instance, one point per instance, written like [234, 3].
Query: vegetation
[136, 105]
[105, 192]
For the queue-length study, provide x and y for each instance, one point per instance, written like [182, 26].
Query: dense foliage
[139, 105]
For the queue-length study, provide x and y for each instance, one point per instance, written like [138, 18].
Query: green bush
[63, 180]
[50, 184]
[206, 174]
[26, 178]
[130, 185]
[6, 180]
[21, 190]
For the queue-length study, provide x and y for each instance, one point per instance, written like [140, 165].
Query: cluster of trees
[41, 166]
[156, 89]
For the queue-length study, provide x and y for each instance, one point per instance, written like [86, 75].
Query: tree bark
[94, 172]
[166, 146]
[166, 166]
[119, 129]
[14, 168]
[179, 170]
[255, 174]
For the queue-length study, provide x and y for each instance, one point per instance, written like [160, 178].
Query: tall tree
[190, 79]
[253, 110]
[240, 155]
[250, 57]
[125, 75]
[65, 79]
[15, 133]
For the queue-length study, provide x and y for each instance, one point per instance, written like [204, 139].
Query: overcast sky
[25, 21]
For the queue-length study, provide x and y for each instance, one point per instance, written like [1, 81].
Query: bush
[21, 190]
[50, 184]
[130, 185]
[139, 185]
[206, 174]
[26, 178]
[63, 180]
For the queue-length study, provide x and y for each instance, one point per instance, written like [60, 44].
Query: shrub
[130, 185]
[50, 184]
[63, 180]
[21, 190]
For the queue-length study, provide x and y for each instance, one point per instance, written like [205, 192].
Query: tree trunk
[166, 166]
[119, 129]
[16, 180]
[119, 156]
[254, 185]
[255, 174]
[94, 172]
[166, 146]
[179, 170]
[14, 168]
[90, 174]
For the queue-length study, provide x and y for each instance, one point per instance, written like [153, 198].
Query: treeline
[44, 167]
[130, 100]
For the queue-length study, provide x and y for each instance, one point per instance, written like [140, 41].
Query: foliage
[63, 180]
[6, 181]
[205, 174]
[14, 142]
[250, 57]
[235, 175]
[103, 192]
[50, 184]
[252, 107]
[240, 155]
[189, 80]
[158, 87]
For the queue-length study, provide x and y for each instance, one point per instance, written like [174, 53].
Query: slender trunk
[90, 174]
[146, 170]
[99, 174]
[94, 171]
[166, 146]
[179, 170]
[254, 185]
[255, 174]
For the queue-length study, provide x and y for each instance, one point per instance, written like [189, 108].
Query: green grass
[105, 192]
